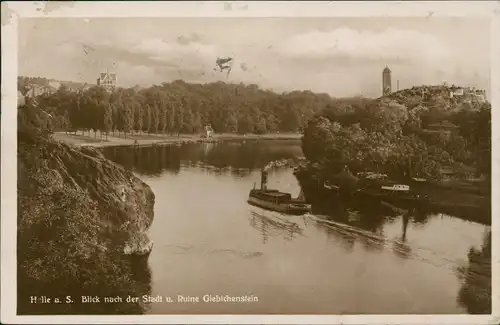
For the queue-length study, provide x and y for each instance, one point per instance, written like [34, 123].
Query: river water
[209, 241]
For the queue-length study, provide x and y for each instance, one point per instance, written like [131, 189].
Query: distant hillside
[24, 84]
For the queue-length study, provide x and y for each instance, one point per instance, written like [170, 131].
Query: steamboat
[271, 199]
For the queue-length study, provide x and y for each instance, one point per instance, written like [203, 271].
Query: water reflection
[401, 247]
[140, 274]
[420, 217]
[347, 240]
[234, 157]
[366, 225]
[363, 217]
[152, 160]
[475, 292]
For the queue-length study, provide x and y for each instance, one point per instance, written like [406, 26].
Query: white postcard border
[13, 11]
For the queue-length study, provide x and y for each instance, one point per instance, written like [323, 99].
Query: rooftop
[110, 75]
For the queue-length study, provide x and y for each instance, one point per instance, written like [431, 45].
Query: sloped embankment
[79, 214]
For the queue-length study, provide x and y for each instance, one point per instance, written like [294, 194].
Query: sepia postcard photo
[250, 162]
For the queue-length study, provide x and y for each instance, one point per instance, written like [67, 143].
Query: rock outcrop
[124, 202]
[79, 215]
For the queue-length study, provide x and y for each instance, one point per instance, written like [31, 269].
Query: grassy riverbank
[147, 139]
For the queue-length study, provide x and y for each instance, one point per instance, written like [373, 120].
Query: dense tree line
[240, 158]
[24, 84]
[179, 107]
[387, 136]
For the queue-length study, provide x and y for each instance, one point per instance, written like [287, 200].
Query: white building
[470, 94]
[208, 131]
[457, 92]
[107, 80]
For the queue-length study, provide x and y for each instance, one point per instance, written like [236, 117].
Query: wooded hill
[391, 134]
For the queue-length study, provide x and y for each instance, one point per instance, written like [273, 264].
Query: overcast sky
[339, 56]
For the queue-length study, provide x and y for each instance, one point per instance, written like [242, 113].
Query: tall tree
[162, 119]
[197, 122]
[75, 114]
[115, 116]
[108, 119]
[138, 118]
[260, 126]
[291, 120]
[246, 124]
[120, 117]
[232, 123]
[187, 121]
[97, 113]
[128, 118]
[171, 126]
[179, 120]
[155, 115]
[147, 118]
[85, 113]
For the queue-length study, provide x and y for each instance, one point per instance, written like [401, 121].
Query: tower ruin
[386, 81]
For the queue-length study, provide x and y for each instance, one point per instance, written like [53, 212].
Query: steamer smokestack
[263, 179]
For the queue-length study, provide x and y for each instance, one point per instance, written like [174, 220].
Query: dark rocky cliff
[124, 201]
[79, 216]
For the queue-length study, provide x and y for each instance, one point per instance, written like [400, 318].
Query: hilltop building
[468, 94]
[38, 90]
[386, 81]
[54, 84]
[35, 90]
[107, 80]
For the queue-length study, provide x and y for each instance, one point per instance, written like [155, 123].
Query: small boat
[399, 188]
[277, 201]
[394, 193]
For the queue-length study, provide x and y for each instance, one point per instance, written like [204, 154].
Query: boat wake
[275, 224]
[238, 253]
[189, 249]
[401, 248]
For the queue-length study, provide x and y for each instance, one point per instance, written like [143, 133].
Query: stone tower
[386, 81]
